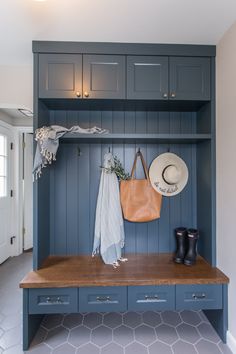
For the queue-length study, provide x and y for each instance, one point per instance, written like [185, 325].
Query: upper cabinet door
[60, 76]
[104, 76]
[147, 77]
[189, 78]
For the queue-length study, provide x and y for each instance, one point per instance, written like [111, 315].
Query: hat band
[163, 175]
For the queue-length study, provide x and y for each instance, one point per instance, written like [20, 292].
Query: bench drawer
[197, 297]
[151, 297]
[50, 300]
[103, 299]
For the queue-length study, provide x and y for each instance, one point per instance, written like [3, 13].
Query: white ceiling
[151, 21]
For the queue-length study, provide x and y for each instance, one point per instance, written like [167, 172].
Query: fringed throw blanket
[109, 227]
[48, 141]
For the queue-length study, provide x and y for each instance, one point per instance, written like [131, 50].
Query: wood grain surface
[154, 269]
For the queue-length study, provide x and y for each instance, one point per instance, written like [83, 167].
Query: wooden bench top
[152, 269]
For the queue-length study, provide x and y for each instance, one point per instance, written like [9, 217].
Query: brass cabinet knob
[172, 95]
[78, 94]
[165, 95]
[86, 94]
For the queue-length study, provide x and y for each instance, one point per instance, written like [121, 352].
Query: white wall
[16, 86]
[226, 167]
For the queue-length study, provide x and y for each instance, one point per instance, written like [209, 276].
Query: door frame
[9, 131]
[20, 203]
[17, 185]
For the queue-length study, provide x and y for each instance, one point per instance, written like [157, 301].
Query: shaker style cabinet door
[189, 78]
[104, 76]
[147, 77]
[60, 76]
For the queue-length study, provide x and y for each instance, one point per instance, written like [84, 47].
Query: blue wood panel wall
[74, 180]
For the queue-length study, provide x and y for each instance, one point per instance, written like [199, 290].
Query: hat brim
[156, 174]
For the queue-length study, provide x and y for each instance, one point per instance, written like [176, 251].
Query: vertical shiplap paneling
[175, 208]
[188, 122]
[75, 183]
[153, 226]
[95, 164]
[174, 201]
[175, 122]
[60, 195]
[152, 122]
[186, 195]
[164, 122]
[52, 196]
[107, 120]
[72, 156]
[84, 189]
[141, 228]
[193, 182]
[164, 222]
[129, 152]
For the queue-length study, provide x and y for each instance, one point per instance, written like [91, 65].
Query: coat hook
[139, 150]
[109, 150]
[78, 151]
[168, 150]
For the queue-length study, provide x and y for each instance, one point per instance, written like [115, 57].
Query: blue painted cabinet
[104, 76]
[147, 77]
[60, 76]
[129, 89]
[144, 298]
[53, 300]
[75, 76]
[103, 299]
[199, 296]
[189, 78]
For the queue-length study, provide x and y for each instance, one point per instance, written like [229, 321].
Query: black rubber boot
[180, 235]
[191, 255]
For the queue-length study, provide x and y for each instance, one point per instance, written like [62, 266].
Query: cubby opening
[67, 191]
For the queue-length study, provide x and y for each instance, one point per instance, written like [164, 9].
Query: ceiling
[150, 21]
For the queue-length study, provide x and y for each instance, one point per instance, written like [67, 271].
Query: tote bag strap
[139, 154]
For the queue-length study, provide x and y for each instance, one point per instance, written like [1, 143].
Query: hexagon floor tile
[150, 332]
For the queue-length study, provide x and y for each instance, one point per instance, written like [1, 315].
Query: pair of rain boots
[186, 240]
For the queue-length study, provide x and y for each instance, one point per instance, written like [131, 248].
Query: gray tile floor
[168, 332]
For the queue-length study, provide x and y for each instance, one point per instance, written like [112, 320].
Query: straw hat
[168, 174]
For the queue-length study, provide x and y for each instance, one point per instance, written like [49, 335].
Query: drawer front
[50, 300]
[196, 297]
[151, 297]
[103, 299]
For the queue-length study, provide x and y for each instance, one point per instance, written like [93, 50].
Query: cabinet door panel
[105, 299]
[53, 300]
[147, 77]
[189, 78]
[159, 298]
[104, 76]
[197, 297]
[60, 75]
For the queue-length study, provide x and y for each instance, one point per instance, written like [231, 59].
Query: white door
[5, 194]
[28, 191]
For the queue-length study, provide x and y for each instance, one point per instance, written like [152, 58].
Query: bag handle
[139, 154]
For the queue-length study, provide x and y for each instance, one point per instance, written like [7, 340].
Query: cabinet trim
[124, 48]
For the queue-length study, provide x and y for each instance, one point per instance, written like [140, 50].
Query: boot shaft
[180, 235]
[191, 254]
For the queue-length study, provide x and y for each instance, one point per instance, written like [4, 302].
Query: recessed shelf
[135, 138]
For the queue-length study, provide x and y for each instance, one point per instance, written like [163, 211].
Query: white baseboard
[231, 342]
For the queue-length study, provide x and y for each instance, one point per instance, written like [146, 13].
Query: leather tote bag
[140, 202]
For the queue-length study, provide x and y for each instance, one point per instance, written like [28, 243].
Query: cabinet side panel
[41, 194]
[204, 200]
